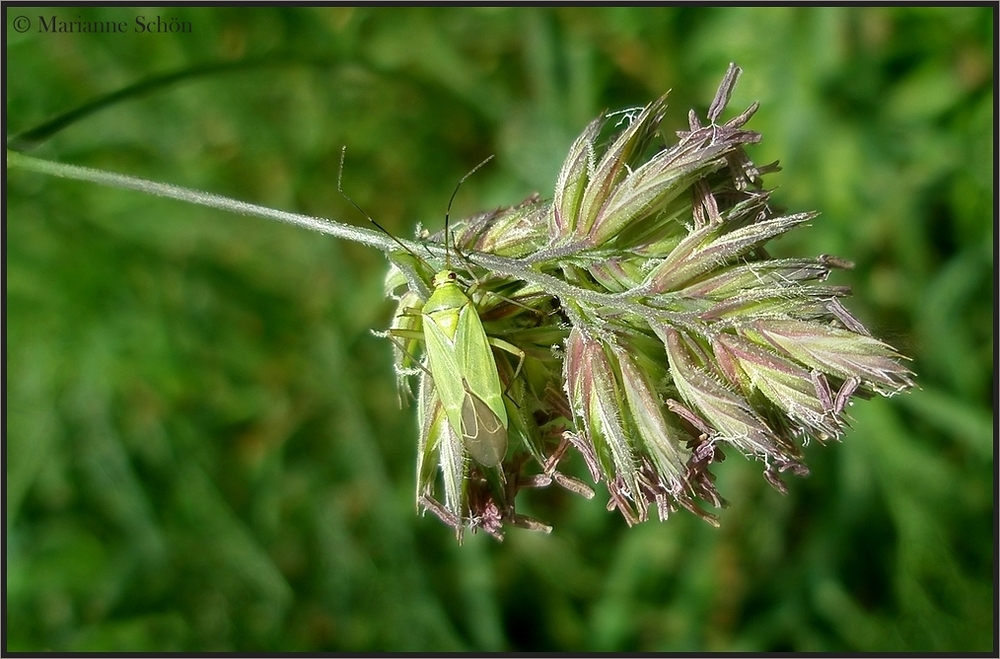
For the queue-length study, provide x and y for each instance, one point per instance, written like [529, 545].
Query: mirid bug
[464, 370]
[460, 358]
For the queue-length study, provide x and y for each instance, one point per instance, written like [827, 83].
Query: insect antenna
[447, 213]
[468, 263]
[340, 189]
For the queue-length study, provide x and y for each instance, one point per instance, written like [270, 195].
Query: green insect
[460, 360]
[464, 370]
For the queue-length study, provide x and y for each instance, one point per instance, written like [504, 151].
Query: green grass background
[204, 446]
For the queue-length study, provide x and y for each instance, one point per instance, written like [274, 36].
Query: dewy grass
[643, 325]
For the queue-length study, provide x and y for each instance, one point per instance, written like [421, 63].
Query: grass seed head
[680, 335]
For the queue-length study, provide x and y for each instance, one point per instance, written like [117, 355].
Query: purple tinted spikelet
[672, 335]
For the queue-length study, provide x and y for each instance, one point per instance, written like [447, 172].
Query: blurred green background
[204, 446]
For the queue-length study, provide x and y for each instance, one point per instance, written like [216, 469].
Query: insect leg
[512, 349]
[392, 337]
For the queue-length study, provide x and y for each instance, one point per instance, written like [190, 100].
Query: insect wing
[476, 362]
[483, 433]
[444, 367]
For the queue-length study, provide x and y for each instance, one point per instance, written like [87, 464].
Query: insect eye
[452, 276]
